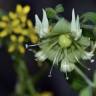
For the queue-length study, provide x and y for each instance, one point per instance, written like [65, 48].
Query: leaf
[89, 16]
[62, 26]
[85, 92]
[59, 8]
[50, 12]
[53, 12]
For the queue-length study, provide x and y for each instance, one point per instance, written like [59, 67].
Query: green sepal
[62, 26]
[84, 41]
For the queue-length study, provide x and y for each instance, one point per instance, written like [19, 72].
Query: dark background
[57, 83]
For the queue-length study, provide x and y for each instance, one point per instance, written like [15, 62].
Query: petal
[75, 26]
[73, 22]
[87, 55]
[38, 25]
[66, 66]
[45, 23]
[40, 56]
[78, 30]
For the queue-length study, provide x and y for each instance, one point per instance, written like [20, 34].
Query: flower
[40, 56]
[24, 10]
[16, 29]
[75, 26]
[42, 28]
[16, 44]
[88, 55]
[60, 44]
[64, 41]
[66, 66]
[46, 94]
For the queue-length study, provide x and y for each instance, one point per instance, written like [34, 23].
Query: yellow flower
[19, 8]
[21, 49]
[26, 9]
[34, 38]
[17, 30]
[23, 18]
[5, 18]
[25, 32]
[3, 34]
[13, 38]
[11, 48]
[29, 23]
[3, 24]
[15, 22]
[46, 94]
[21, 39]
[12, 15]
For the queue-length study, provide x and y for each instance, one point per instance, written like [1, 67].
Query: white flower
[42, 27]
[66, 66]
[40, 56]
[88, 55]
[75, 26]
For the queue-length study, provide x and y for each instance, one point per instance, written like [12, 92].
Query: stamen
[50, 73]
[67, 78]
[82, 64]
[92, 60]
[54, 61]
[31, 45]
[26, 46]
[30, 50]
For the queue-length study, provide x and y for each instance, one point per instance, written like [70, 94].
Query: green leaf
[50, 12]
[89, 16]
[85, 92]
[62, 26]
[59, 8]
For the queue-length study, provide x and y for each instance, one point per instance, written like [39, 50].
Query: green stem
[89, 82]
[24, 83]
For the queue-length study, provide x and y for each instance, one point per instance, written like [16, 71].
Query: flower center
[64, 41]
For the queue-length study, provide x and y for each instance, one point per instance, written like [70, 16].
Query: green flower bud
[64, 41]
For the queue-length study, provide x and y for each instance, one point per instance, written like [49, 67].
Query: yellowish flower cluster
[17, 29]
[46, 94]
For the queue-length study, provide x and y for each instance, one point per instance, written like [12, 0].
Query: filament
[82, 64]
[54, 61]
[66, 76]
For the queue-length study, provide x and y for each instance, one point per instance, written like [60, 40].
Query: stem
[89, 82]
[24, 83]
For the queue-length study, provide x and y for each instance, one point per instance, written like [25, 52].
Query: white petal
[78, 30]
[88, 55]
[66, 66]
[73, 22]
[75, 26]
[40, 56]
[45, 23]
[38, 25]
[42, 27]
